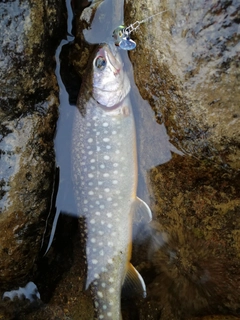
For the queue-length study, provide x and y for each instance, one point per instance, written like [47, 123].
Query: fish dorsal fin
[141, 211]
[134, 284]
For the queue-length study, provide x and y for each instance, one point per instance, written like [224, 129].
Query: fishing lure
[121, 34]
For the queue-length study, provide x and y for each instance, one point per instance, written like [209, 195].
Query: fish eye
[100, 63]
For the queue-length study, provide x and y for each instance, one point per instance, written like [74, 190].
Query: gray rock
[28, 114]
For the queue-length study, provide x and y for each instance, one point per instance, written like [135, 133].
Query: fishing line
[122, 34]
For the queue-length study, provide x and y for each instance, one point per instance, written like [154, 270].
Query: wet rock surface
[186, 65]
[190, 78]
[28, 114]
[191, 75]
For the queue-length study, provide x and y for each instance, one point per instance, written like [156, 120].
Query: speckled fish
[104, 164]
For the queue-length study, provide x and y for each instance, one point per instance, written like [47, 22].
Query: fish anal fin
[134, 284]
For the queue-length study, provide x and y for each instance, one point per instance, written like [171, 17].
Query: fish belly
[105, 177]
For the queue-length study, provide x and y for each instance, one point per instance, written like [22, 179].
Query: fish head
[110, 82]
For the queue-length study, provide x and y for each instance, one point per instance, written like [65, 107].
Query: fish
[104, 177]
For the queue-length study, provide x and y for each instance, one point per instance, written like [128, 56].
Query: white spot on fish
[101, 233]
[115, 164]
[106, 175]
[115, 204]
[93, 240]
[85, 201]
[109, 314]
[107, 190]
[106, 157]
[110, 244]
[115, 172]
[109, 199]
[91, 193]
[101, 206]
[90, 175]
[98, 149]
[111, 280]
[101, 316]
[111, 290]
[108, 147]
[109, 215]
[97, 213]
[92, 160]
[90, 152]
[106, 139]
[94, 261]
[102, 166]
[90, 140]
[100, 183]
[105, 124]
[96, 304]
[109, 225]
[100, 294]
[88, 124]
[110, 261]
[92, 221]
[114, 132]
[90, 184]
[103, 284]
[115, 182]
[96, 276]
[101, 252]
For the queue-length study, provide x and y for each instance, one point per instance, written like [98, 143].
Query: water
[153, 143]
[155, 139]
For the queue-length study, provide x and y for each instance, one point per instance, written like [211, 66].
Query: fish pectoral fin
[142, 215]
[134, 284]
[141, 211]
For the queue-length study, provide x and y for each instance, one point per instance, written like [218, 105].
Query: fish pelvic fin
[134, 284]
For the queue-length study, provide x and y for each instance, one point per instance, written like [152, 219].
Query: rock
[28, 114]
[186, 65]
